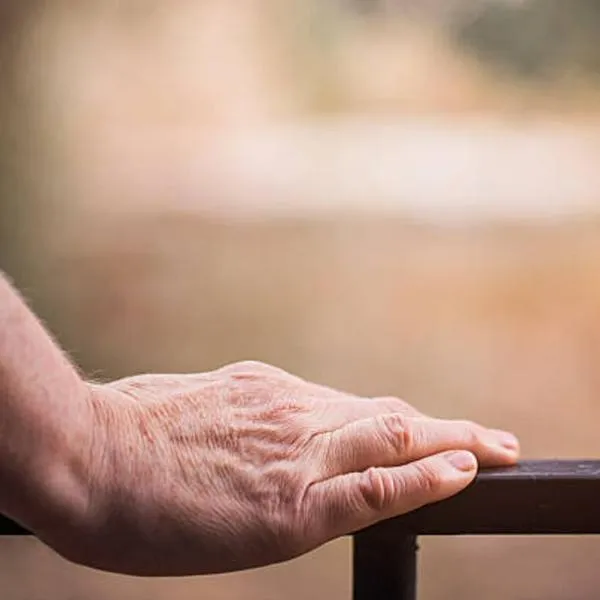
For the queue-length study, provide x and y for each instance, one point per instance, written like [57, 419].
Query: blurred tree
[537, 38]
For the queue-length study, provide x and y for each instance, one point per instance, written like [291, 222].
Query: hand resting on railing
[206, 473]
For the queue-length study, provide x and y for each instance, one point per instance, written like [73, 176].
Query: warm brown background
[193, 183]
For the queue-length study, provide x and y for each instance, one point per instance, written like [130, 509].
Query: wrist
[45, 419]
[44, 467]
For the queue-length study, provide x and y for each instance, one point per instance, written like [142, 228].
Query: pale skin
[214, 472]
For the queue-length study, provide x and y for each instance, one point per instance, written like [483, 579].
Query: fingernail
[463, 461]
[507, 440]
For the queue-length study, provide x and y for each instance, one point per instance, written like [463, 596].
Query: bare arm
[211, 472]
[44, 418]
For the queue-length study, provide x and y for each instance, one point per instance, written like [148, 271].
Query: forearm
[40, 392]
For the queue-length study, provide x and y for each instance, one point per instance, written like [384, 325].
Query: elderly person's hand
[191, 474]
[248, 465]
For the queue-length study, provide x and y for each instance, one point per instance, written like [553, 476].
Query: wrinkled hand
[248, 465]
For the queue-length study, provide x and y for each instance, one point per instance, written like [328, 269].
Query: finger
[351, 502]
[340, 411]
[369, 406]
[394, 439]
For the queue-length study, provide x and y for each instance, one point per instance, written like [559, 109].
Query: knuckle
[377, 489]
[248, 366]
[468, 424]
[252, 370]
[390, 402]
[428, 478]
[394, 401]
[397, 431]
[473, 432]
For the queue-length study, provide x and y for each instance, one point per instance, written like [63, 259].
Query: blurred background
[386, 196]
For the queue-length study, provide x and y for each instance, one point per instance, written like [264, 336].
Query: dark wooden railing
[536, 497]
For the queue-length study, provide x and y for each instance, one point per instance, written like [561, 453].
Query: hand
[248, 466]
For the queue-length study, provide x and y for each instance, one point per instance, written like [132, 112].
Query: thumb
[351, 502]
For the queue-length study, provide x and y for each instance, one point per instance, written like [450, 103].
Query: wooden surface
[535, 497]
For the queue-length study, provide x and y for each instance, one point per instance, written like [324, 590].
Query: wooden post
[385, 568]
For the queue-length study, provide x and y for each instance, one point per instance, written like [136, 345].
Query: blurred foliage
[537, 38]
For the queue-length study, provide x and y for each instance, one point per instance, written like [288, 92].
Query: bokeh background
[387, 196]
